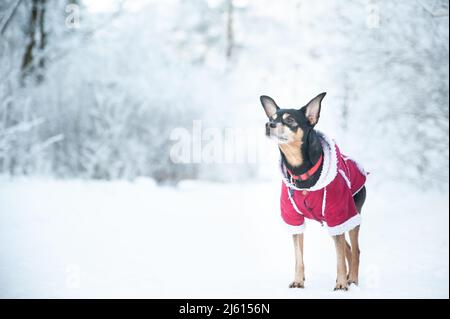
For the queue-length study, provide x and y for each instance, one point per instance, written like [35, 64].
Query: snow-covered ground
[204, 240]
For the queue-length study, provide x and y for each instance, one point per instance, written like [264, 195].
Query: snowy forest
[93, 89]
[134, 161]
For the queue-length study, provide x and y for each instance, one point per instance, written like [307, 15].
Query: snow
[72, 239]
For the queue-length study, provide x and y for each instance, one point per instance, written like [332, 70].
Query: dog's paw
[297, 284]
[341, 286]
[352, 278]
[352, 281]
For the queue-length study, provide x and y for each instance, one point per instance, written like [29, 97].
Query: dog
[319, 183]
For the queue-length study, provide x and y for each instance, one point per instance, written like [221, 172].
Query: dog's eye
[289, 121]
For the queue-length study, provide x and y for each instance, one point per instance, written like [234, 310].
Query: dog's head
[290, 125]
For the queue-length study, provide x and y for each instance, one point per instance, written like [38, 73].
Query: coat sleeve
[295, 223]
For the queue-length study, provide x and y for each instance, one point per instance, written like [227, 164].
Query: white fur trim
[358, 190]
[346, 226]
[293, 203]
[347, 181]
[295, 230]
[330, 162]
[324, 201]
[329, 167]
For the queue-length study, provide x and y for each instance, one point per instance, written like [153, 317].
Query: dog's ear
[312, 109]
[269, 105]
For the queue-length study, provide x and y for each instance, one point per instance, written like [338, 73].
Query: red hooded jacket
[330, 201]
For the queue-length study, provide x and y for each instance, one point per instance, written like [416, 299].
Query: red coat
[330, 201]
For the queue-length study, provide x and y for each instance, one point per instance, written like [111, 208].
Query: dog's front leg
[354, 269]
[299, 281]
[341, 281]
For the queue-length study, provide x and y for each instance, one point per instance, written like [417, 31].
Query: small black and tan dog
[302, 156]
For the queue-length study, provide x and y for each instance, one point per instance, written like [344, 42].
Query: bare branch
[22, 127]
[9, 17]
[440, 12]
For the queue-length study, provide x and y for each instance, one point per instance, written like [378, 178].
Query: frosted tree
[389, 63]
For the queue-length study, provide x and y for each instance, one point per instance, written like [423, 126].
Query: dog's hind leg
[354, 268]
[348, 257]
[353, 275]
[360, 198]
[341, 280]
[299, 281]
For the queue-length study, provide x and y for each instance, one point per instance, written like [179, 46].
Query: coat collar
[329, 167]
[305, 176]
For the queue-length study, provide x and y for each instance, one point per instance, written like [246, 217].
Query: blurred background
[93, 89]
[133, 161]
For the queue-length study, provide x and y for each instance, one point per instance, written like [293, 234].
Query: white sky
[111, 5]
[135, 5]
